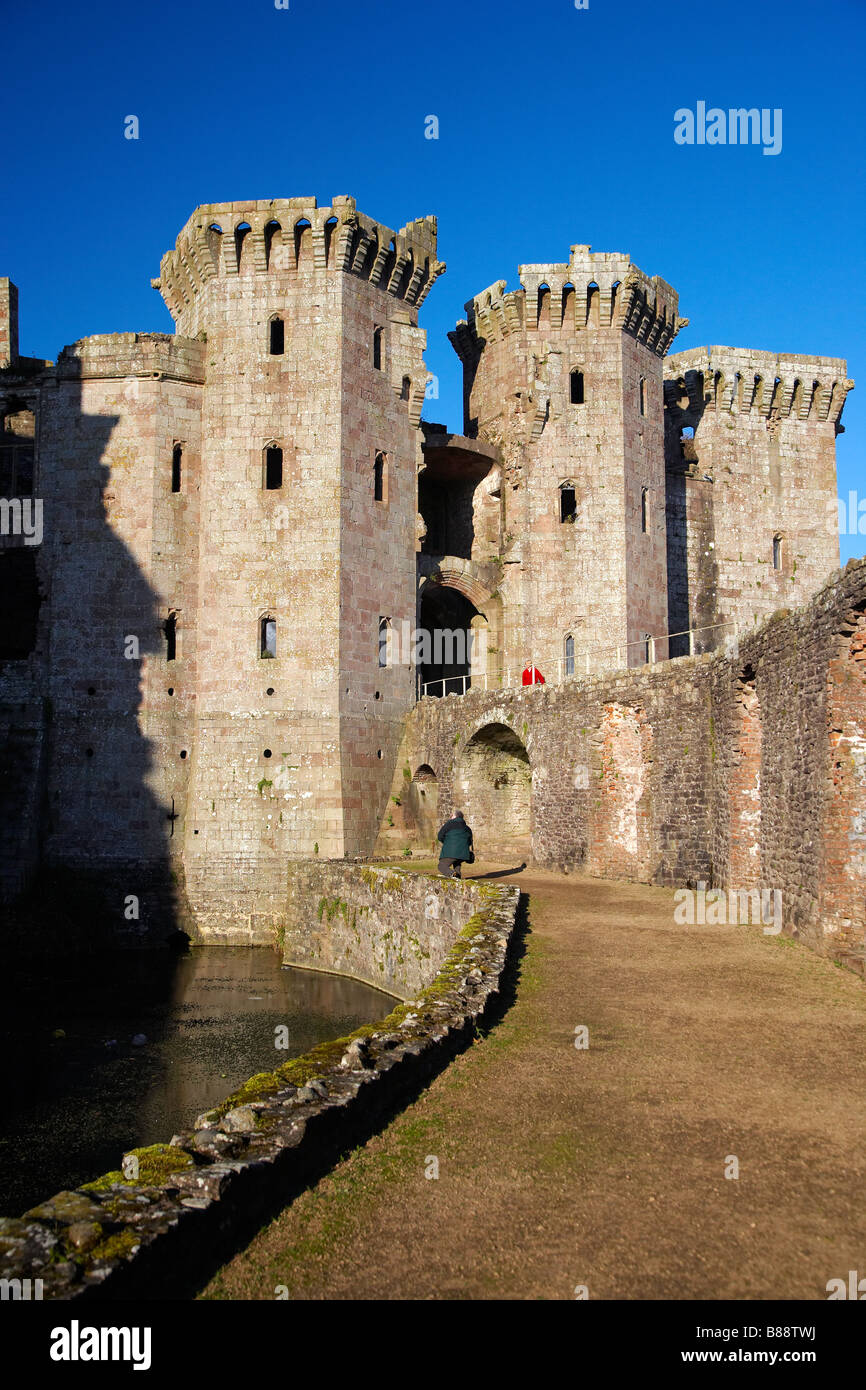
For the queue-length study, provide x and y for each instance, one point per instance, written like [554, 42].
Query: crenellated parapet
[590, 291]
[742, 381]
[289, 236]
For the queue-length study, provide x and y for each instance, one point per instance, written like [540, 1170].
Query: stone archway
[493, 789]
[463, 589]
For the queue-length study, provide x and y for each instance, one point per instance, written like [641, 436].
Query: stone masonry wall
[740, 770]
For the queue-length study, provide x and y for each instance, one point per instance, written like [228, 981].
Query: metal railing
[589, 662]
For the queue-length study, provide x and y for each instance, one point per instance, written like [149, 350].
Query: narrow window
[379, 478]
[644, 509]
[569, 656]
[577, 388]
[176, 463]
[642, 394]
[778, 552]
[567, 504]
[276, 346]
[273, 469]
[268, 638]
[377, 349]
[407, 387]
[384, 645]
[170, 630]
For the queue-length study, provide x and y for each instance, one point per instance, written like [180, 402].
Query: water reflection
[78, 1091]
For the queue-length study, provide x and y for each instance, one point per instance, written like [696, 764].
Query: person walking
[456, 840]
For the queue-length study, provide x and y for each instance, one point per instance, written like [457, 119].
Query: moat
[79, 1092]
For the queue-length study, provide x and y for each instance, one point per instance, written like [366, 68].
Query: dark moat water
[72, 1105]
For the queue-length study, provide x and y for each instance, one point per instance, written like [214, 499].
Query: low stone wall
[195, 1201]
[388, 927]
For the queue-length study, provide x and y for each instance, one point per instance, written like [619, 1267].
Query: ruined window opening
[543, 319]
[268, 638]
[379, 479]
[170, 630]
[384, 642]
[273, 469]
[644, 509]
[17, 456]
[567, 504]
[778, 552]
[277, 339]
[576, 388]
[406, 388]
[377, 349]
[19, 604]
[176, 467]
[642, 395]
[569, 655]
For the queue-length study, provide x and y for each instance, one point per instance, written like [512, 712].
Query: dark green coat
[456, 840]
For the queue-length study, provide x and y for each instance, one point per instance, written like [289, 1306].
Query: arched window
[644, 509]
[303, 240]
[267, 638]
[568, 305]
[642, 395]
[543, 320]
[176, 467]
[569, 655]
[377, 349]
[778, 551]
[276, 336]
[614, 291]
[330, 228]
[384, 642]
[242, 231]
[567, 503]
[273, 468]
[576, 388]
[273, 243]
[169, 629]
[380, 478]
[592, 303]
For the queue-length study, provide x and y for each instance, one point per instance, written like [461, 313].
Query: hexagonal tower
[309, 454]
[565, 377]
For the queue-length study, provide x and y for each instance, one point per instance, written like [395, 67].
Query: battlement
[290, 235]
[590, 291]
[107, 355]
[744, 381]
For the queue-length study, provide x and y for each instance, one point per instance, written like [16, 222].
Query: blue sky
[556, 127]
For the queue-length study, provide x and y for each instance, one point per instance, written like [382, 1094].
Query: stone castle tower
[564, 377]
[192, 681]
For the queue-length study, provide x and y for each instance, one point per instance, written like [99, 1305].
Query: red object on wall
[532, 676]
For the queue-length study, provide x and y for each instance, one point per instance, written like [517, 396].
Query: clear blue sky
[556, 127]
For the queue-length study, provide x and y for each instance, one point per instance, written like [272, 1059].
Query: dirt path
[606, 1167]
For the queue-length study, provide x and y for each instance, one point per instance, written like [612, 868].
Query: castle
[192, 665]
